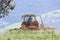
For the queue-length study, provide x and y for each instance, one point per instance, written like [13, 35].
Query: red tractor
[30, 22]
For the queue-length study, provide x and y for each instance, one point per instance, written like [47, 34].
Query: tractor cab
[29, 20]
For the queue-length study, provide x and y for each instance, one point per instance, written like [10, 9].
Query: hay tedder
[30, 22]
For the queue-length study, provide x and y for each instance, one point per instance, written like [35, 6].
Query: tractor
[30, 22]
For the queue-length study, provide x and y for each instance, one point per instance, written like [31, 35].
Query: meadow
[30, 35]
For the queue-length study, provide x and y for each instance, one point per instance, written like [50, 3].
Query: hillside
[30, 35]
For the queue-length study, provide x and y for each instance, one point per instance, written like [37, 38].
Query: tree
[5, 5]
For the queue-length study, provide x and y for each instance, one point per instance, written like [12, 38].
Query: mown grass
[30, 35]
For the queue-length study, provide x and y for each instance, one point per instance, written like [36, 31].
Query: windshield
[29, 18]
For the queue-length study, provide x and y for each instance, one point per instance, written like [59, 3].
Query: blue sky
[31, 6]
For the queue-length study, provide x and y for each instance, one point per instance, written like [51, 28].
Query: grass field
[30, 35]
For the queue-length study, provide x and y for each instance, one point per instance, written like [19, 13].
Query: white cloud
[2, 22]
[52, 18]
[55, 13]
[11, 26]
[15, 25]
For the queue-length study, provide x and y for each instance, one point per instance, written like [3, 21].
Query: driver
[29, 20]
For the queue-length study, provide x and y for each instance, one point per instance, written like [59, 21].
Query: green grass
[30, 35]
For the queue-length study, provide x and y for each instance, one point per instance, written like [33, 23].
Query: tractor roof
[25, 15]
